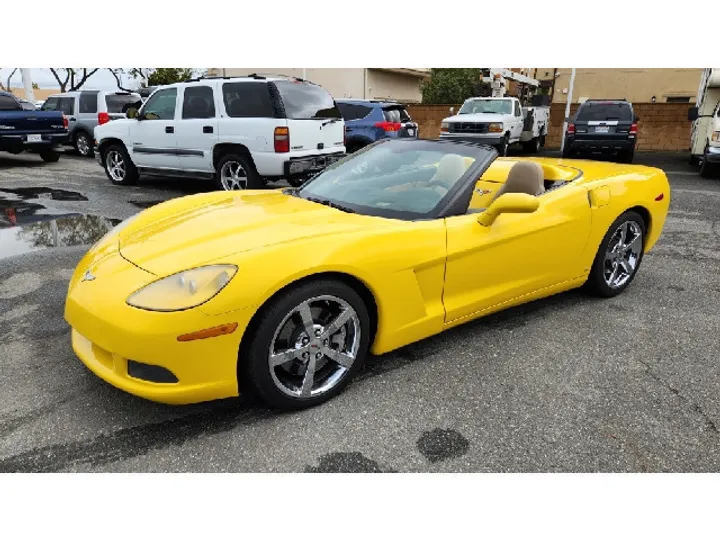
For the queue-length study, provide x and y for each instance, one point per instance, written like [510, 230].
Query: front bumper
[480, 139]
[307, 165]
[713, 154]
[107, 334]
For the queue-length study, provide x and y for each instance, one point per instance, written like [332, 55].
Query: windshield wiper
[331, 204]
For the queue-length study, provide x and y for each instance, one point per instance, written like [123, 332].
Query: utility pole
[27, 82]
[567, 108]
[304, 77]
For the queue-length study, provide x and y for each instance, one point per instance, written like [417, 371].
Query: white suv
[241, 131]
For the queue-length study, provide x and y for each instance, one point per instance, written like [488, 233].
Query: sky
[101, 80]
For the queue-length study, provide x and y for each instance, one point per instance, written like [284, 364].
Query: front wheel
[532, 146]
[49, 156]
[618, 259]
[707, 169]
[118, 166]
[502, 148]
[307, 345]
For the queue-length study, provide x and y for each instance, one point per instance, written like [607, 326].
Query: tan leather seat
[450, 168]
[524, 177]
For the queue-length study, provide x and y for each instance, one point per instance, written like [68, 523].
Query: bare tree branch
[7, 86]
[117, 74]
[83, 78]
[61, 84]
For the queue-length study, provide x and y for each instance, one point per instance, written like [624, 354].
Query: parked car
[367, 121]
[499, 122]
[602, 127]
[241, 131]
[21, 129]
[27, 105]
[283, 294]
[705, 116]
[87, 109]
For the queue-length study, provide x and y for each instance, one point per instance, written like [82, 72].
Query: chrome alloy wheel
[314, 346]
[115, 165]
[233, 176]
[83, 145]
[623, 254]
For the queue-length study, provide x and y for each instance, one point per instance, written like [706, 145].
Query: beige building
[401, 84]
[639, 85]
[41, 94]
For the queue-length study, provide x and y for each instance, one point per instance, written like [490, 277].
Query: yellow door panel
[518, 254]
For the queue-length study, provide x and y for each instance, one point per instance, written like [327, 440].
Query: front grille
[467, 127]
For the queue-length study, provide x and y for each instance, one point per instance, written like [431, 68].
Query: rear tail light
[345, 136]
[103, 118]
[633, 129]
[389, 126]
[65, 122]
[571, 129]
[282, 139]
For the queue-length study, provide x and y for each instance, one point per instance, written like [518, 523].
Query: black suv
[602, 127]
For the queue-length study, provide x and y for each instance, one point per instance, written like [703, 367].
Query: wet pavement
[565, 384]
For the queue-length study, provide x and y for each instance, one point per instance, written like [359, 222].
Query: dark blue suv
[367, 121]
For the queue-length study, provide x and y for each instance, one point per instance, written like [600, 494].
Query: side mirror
[509, 203]
[637, 119]
[132, 112]
[693, 114]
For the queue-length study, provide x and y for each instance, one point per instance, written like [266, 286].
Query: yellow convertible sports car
[284, 293]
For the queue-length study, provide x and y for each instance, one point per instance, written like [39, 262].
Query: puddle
[30, 226]
[144, 204]
[45, 193]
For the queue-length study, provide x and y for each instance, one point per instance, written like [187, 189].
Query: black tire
[707, 169]
[109, 156]
[532, 146]
[252, 178]
[254, 372]
[354, 147]
[626, 157]
[542, 141]
[83, 144]
[49, 156]
[502, 148]
[567, 153]
[596, 283]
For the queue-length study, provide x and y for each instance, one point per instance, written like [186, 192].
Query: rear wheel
[619, 257]
[627, 156]
[567, 153]
[532, 146]
[49, 156]
[118, 166]
[306, 346]
[83, 144]
[236, 172]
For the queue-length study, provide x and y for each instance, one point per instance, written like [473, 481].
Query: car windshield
[496, 106]
[599, 112]
[400, 179]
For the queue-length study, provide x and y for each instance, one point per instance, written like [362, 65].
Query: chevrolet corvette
[283, 293]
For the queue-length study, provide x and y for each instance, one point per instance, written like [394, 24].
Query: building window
[678, 99]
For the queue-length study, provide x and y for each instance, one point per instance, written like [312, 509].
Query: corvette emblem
[482, 192]
[87, 276]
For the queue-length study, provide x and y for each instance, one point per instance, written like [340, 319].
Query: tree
[153, 76]
[7, 85]
[71, 79]
[161, 76]
[453, 85]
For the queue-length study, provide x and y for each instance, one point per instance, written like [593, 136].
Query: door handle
[72, 119]
[169, 129]
[207, 129]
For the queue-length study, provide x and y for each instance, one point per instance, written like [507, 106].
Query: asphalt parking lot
[566, 384]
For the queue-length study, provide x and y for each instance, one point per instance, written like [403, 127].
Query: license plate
[602, 129]
[34, 138]
[411, 132]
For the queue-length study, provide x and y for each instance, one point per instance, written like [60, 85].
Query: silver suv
[87, 109]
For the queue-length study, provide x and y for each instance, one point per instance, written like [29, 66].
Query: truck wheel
[235, 172]
[49, 156]
[502, 148]
[567, 153]
[118, 166]
[532, 146]
[707, 169]
[296, 181]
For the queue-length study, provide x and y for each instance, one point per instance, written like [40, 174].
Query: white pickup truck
[705, 136]
[498, 122]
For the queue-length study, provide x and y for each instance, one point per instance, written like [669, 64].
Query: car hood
[478, 117]
[198, 229]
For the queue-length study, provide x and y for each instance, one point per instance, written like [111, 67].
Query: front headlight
[495, 127]
[716, 136]
[184, 290]
[444, 127]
